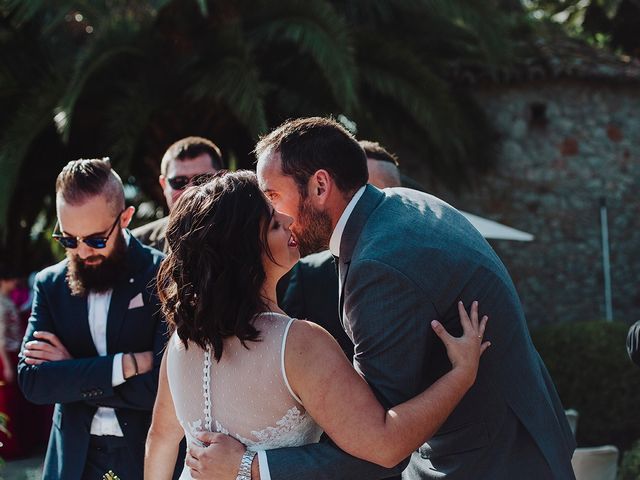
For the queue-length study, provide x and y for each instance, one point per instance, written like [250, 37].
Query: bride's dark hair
[210, 282]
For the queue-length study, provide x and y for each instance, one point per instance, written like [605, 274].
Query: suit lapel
[356, 222]
[123, 292]
[117, 311]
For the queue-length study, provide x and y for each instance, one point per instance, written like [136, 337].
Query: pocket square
[136, 302]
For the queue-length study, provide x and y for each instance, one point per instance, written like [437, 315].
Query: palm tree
[609, 23]
[125, 79]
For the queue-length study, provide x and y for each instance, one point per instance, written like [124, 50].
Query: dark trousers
[110, 453]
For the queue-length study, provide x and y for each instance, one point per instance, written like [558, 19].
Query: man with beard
[95, 335]
[312, 285]
[183, 161]
[406, 258]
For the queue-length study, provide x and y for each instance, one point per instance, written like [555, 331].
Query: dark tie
[336, 261]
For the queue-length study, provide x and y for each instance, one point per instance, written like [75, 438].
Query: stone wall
[564, 145]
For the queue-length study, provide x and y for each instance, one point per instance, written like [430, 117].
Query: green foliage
[124, 79]
[315, 29]
[604, 23]
[630, 465]
[592, 371]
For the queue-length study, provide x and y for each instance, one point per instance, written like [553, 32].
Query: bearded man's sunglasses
[93, 241]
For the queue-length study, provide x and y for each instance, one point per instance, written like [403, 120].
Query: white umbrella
[495, 230]
[488, 228]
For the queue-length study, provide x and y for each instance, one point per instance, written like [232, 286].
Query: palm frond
[204, 8]
[481, 24]
[229, 74]
[113, 40]
[398, 80]
[32, 117]
[20, 12]
[315, 29]
[399, 74]
[127, 117]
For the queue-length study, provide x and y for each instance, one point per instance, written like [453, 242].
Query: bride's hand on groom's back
[464, 352]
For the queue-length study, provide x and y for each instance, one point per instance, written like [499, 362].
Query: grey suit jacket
[153, 234]
[407, 258]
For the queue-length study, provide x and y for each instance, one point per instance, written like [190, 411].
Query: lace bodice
[245, 395]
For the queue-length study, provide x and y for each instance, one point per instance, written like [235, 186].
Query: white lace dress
[245, 395]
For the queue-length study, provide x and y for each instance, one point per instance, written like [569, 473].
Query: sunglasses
[92, 242]
[180, 182]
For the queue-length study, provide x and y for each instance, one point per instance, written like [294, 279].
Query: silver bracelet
[244, 472]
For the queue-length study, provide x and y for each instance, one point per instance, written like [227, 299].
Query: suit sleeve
[390, 321]
[139, 392]
[84, 379]
[62, 381]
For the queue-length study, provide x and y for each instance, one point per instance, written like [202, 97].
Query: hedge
[589, 364]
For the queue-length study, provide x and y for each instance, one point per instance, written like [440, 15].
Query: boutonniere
[110, 476]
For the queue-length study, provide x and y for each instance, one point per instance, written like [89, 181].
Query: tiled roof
[554, 58]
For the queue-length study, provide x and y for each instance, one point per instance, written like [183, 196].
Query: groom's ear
[320, 186]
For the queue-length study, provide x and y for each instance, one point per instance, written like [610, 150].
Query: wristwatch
[244, 472]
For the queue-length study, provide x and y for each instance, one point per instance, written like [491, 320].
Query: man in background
[94, 339]
[186, 159]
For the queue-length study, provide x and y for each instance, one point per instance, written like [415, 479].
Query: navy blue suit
[81, 385]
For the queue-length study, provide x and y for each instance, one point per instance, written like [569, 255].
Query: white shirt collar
[336, 236]
[127, 236]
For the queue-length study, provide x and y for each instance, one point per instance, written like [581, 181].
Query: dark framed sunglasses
[180, 182]
[92, 242]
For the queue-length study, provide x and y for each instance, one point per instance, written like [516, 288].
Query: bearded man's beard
[83, 278]
[312, 229]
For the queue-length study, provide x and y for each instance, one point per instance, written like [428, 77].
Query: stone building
[569, 129]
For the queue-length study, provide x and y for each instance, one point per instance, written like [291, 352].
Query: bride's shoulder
[307, 336]
[309, 345]
[175, 342]
[178, 347]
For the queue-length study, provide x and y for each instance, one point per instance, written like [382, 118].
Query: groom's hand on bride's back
[217, 458]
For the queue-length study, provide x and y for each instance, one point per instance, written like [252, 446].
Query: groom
[406, 258]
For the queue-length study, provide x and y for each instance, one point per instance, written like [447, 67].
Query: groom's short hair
[307, 145]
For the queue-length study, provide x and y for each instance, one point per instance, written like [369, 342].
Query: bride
[237, 364]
